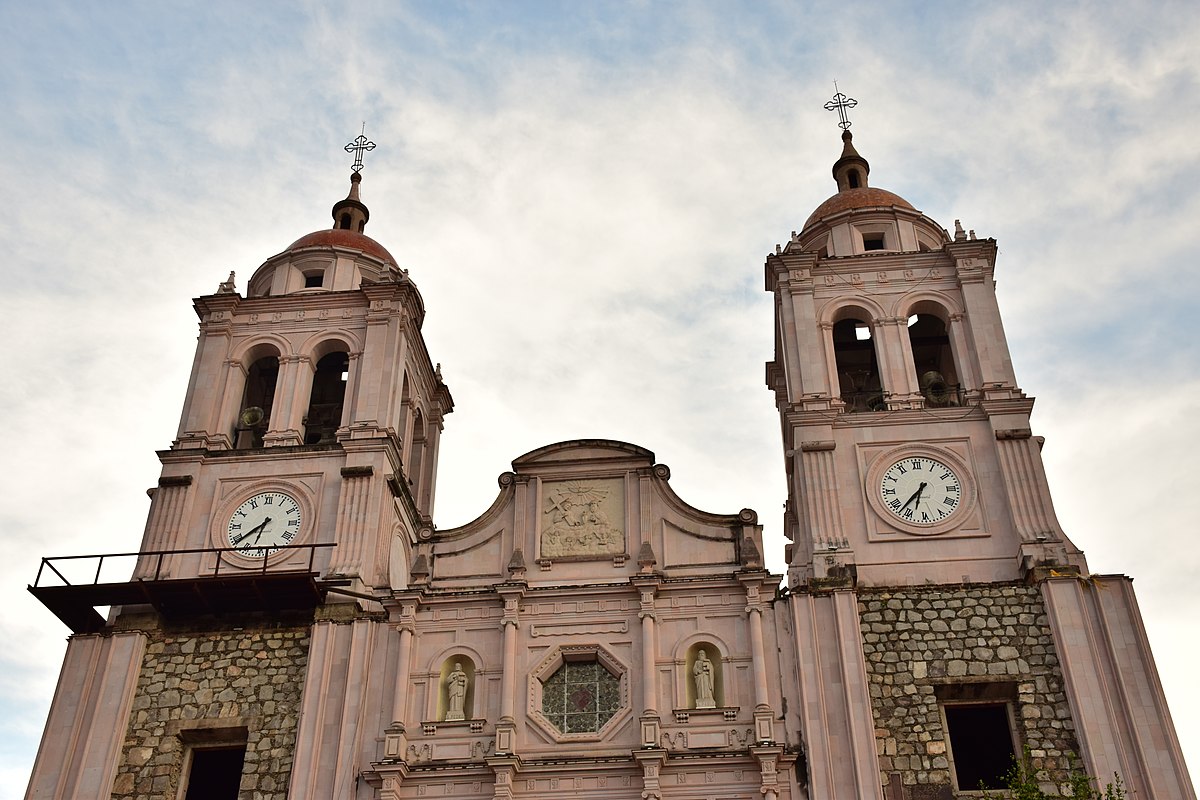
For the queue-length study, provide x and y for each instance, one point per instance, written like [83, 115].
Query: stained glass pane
[580, 696]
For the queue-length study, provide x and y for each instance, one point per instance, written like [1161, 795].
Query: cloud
[585, 198]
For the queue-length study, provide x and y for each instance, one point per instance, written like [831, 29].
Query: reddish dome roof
[849, 199]
[340, 237]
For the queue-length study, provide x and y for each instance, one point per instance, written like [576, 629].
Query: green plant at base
[1022, 783]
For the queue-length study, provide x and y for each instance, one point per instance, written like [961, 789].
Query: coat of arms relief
[583, 519]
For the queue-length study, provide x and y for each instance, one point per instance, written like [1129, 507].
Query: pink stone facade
[591, 633]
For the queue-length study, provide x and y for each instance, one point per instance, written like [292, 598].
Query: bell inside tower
[326, 399]
[934, 361]
[257, 399]
[857, 368]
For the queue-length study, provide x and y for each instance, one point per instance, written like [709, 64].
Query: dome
[853, 199]
[863, 219]
[340, 237]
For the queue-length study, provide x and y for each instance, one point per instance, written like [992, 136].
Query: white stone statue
[702, 673]
[456, 693]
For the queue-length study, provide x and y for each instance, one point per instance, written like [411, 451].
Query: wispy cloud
[584, 195]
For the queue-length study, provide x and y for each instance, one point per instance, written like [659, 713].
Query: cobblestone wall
[201, 686]
[922, 641]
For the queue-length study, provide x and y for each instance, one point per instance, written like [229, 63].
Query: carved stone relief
[583, 519]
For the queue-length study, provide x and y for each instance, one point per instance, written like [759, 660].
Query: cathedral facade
[296, 626]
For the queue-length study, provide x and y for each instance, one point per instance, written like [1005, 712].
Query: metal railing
[49, 562]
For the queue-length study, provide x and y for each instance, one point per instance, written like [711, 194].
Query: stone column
[507, 725]
[764, 723]
[292, 389]
[355, 524]
[650, 718]
[230, 404]
[960, 347]
[169, 506]
[896, 363]
[1120, 711]
[986, 330]
[81, 746]
[505, 770]
[396, 741]
[652, 762]
[831, 370]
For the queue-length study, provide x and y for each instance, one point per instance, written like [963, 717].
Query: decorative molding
[579, 626]
[175, 480]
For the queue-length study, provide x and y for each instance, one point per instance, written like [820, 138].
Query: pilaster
[506, 727]
[80, 748]
[652, 761]
[1117, 701]
[647, 587]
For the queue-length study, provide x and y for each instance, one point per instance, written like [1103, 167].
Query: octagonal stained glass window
[581, 696]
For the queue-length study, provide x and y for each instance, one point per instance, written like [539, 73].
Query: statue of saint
[456, 693]
[702, 673]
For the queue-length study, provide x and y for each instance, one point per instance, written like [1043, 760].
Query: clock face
[919, 490]
[263, 524]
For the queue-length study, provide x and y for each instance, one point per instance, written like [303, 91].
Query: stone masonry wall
[199, 685]
[922, 640]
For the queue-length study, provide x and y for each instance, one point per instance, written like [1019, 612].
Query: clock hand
[257, 529]
[263, 526]
[915, 495]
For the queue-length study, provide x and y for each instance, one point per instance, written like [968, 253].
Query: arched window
[325, 402]
[934, 361]
[858, 371]
[344, 221]
[254, 417]
[416, 452]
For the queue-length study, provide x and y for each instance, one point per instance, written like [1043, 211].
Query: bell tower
[909, 452]
[933, 598]
[313, 390]
[291, 502]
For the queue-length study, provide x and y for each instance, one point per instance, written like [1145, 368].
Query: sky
[584, 194]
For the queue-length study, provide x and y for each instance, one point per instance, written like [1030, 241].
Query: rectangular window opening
[981, 744]
[215, 773]
[314, 280]
[873, 241]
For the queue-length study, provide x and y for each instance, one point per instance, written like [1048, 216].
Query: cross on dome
[359, 146]
[840, 103]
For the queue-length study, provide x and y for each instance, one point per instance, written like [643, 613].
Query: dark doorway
[981, 744]
[216, 773]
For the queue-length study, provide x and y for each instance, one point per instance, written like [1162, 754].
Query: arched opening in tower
[934, 361]
[254, 418]
[325, 402]
[857, 368]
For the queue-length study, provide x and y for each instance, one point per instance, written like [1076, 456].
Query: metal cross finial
[359, 146]
[840, 103]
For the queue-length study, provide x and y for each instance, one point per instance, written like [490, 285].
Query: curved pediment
[593, 452]
[591, 511]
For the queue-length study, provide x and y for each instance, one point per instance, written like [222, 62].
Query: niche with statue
[703, 676]
[456, 689]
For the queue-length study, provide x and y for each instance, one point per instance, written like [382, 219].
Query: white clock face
[264, 523]
[919, 490]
